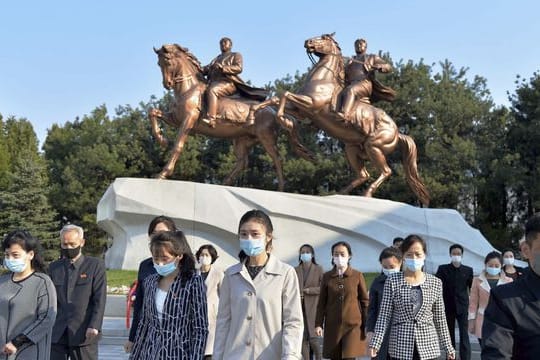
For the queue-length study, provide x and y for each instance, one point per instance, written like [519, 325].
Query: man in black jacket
[457, 280]
[511, 328]
[81, 288]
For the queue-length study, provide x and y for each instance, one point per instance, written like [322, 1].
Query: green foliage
[24, 204]
[524, 140]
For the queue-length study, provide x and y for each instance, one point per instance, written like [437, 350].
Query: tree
[24, 205]
[524, 139]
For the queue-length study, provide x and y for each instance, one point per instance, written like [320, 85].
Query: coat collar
[347, 272]
[273, 266]
[503, 279]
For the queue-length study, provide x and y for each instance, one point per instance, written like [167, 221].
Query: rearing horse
[182, 73]
[316, 100]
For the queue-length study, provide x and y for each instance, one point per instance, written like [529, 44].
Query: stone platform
[210, 214]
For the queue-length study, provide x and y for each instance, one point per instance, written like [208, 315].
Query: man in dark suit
[511, 328]
[81, 288]
[457, 280]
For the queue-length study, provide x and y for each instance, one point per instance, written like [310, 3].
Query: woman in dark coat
[27, 301]
[174, 321]
[390, 260]
[342, 307]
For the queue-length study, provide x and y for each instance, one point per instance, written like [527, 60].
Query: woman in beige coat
[260, 316]
[309, 277]
[478, 299]
[206, 257]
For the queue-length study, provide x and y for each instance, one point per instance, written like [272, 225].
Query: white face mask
[456, 259]
[205, 260]
[389, 272]
[508, 261]
[341, 262]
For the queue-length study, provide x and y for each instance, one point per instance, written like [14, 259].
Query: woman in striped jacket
[174, 321]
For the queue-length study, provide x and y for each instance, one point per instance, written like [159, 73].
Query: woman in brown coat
[342, 307]
[309, 278]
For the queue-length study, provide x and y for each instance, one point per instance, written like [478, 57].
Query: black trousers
[65, 352]
[464, 343]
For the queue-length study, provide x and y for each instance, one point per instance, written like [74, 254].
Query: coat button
[249, 317]
[340, 286]
[249, 293]
[248, 343]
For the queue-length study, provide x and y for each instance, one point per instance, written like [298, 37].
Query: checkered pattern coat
[427, 328]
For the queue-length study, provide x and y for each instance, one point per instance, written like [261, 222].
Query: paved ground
[115, 334]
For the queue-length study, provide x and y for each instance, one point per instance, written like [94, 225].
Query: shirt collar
[77, 263]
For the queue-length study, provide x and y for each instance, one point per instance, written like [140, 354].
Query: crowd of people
[262, 308]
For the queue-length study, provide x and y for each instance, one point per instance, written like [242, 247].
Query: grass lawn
[117, 278]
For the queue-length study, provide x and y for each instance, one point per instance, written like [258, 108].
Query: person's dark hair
[175, 242]
[171, 226]
[456, 246]
[211, 249]
[312, 253]
[390, 252]
[505, 250]
[29, 243]
[341, 243]
[532, 229]
[396, 240]
[410, 240]
[169, 223]
[262, 218]
[493, 255]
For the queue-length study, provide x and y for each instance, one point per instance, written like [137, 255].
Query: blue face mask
[165, 269]
[306, 257]
[389, 272]
[15, 265]
[252, 247]
[414, 264]
[493, 271]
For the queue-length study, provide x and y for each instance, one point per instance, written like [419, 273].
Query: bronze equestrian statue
[182, 73]
[223, 79]
[369, 134]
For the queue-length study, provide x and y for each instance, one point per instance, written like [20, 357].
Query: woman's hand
[451, 356]
[318, 331]
[128, 346]
[471, 326]
[372, 352]
[9, 349]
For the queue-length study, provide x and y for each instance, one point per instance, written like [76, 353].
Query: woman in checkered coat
[413, 308]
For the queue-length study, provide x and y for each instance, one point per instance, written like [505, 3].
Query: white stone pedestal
[210, 214]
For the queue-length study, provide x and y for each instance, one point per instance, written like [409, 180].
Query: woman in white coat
[213, 277]
[260, 314]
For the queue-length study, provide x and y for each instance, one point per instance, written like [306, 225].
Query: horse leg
[254, 108]
[268, 140]
[154, 114]
[178, 146]
[302, 101]
[241, 151]
[357, 164]
[377, 157]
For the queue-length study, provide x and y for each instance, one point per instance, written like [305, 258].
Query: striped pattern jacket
[427, 329]
[182, 332]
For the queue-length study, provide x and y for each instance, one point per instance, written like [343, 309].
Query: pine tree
[24, 205]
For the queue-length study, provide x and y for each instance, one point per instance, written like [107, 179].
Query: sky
[59, 60]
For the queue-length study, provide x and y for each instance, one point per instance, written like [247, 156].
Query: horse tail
[408, 159]
[298, 148]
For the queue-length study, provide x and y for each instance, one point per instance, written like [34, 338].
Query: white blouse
[160, 301]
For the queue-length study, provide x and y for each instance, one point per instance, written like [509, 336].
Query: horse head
[322, 45]
[177, 65]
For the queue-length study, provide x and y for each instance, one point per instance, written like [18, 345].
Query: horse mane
[192, 58]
